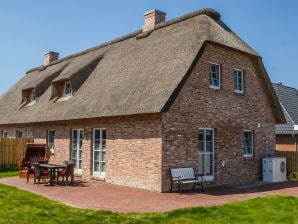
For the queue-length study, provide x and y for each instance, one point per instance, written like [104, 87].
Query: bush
[4, 168]
[293, 176]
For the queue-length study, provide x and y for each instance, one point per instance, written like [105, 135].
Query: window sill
[214, 87]
[64, 98]
[239, 92]
[98, 178]
[31, 103]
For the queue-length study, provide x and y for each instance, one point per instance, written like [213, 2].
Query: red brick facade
[141, 148]
[228, 113]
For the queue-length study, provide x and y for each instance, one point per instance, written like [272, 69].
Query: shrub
[293, 176]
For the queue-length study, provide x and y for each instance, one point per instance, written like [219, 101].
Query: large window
[238, 81]
[51, 140]
[206, 153]
[248, 143]
[214, 76]
[76, 149]
[99, 151]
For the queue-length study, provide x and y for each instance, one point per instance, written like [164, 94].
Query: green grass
[9, 174]
[18, 206]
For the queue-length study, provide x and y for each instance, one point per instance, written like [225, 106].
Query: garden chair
[67, 172]
[30, 170]
[40, 173]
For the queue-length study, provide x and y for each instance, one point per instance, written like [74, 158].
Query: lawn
[18, 206]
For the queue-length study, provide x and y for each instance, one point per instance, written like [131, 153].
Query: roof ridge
[207, 11]
[288, 87]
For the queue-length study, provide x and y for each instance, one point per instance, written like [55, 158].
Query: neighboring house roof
[137, 73]
[288, 98]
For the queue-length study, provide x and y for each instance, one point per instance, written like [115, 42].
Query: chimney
[152, 18]
[50, 57]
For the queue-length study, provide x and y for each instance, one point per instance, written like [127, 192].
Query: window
[76, 149]
[238, 81]
[99, 151]
[4, 134]
[28, 97]
[67, 89]
[19, 134]
[51, 139]
[215, 76]
[33, 96]
[248, 143]
[206, 153]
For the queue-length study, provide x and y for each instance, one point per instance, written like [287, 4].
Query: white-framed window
[33, 96]
[76, 149]
[4, 134]
[214, 71]
[248, 143]
[99, 151]
[67, 89]
[51, 140]
[206, 153]
[19, 134]
[238, 81]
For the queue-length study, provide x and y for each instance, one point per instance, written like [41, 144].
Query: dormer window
[33, 96]
[61, 90]
[28, 97]
[67, 89]
[72, 78]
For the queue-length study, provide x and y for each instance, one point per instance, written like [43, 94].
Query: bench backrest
[182, 173]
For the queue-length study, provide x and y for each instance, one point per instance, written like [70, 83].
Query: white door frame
[99, 152]
[205, 156]
[76, 148]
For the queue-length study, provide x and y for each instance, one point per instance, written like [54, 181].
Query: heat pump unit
[274, 169]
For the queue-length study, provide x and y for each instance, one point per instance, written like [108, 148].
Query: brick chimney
[152, 18]
[50, 57]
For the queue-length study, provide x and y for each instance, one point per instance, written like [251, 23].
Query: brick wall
[228, 113]
[133, 147]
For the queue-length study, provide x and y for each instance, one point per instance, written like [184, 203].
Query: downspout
[295, 136]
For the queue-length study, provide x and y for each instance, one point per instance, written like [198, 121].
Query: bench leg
[202, 186]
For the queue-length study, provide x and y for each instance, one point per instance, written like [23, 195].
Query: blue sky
[29, 29]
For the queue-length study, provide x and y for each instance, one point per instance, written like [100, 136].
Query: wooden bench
[187, 175]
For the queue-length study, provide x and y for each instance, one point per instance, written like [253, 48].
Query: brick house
[287, 134]
[178, 93]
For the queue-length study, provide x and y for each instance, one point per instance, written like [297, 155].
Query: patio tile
[102, 196]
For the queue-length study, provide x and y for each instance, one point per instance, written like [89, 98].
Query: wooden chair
[67, 172]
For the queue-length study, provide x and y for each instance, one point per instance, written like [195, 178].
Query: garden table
[53, 168]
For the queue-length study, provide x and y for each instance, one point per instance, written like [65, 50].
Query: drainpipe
[295, 136]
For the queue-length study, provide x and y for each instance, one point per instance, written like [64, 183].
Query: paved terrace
[101, 196]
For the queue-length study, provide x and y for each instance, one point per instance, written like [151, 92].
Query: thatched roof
[134, 74]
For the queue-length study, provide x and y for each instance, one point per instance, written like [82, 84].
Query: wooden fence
[292, 159]
[12, 150]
